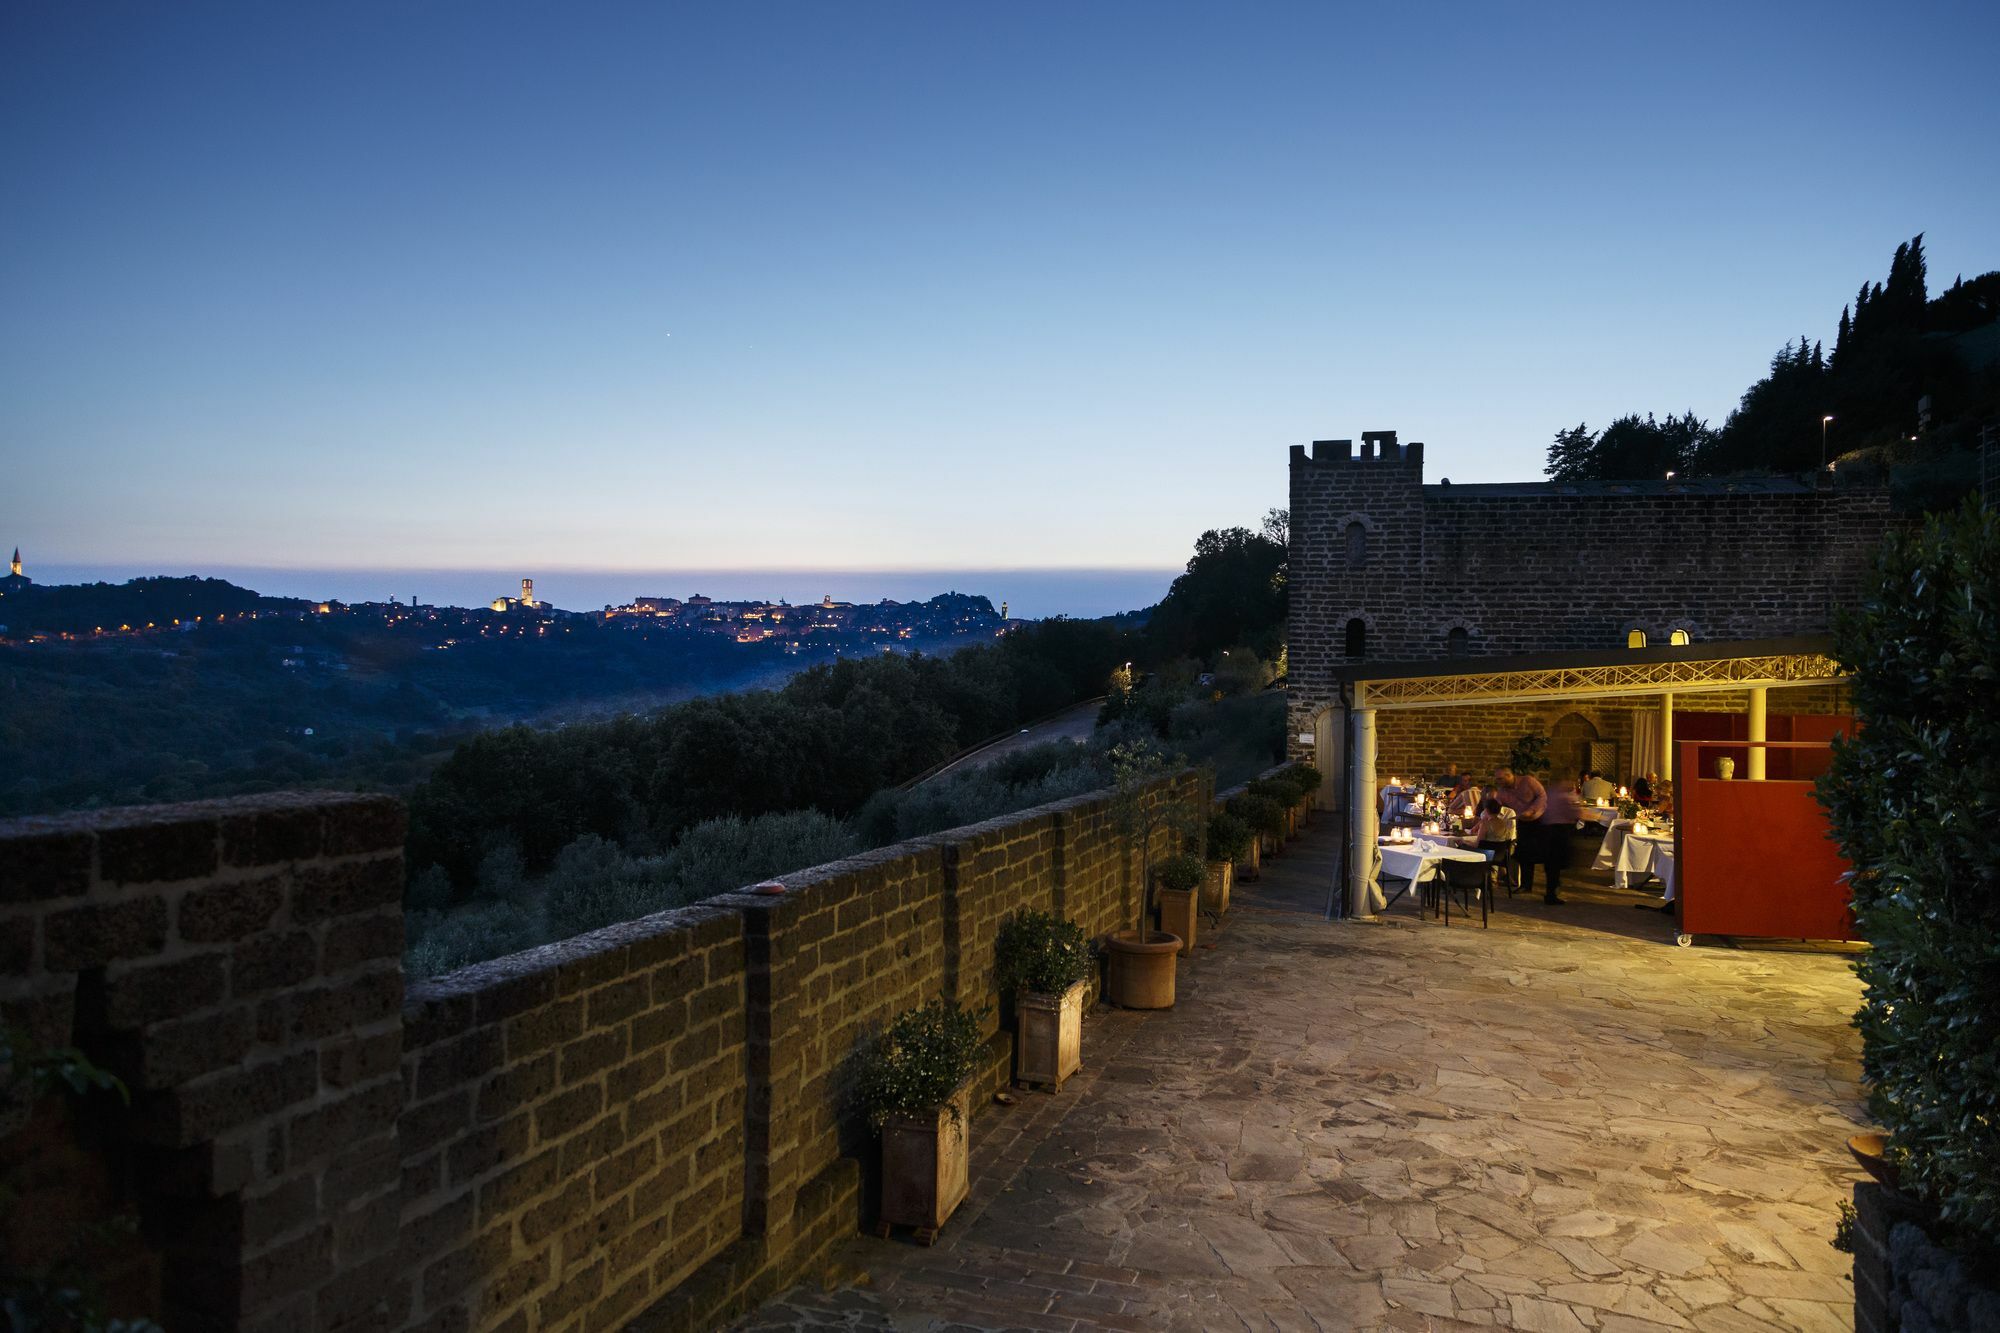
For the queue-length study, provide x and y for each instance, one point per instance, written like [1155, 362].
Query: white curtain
[1645, 742]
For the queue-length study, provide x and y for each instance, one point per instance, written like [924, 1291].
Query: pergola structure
[1755, 666]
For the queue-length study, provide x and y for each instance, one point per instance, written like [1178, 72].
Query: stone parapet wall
[1904, 1281]
[239, 965]
[653, 1118]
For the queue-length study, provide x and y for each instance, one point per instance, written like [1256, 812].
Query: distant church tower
[527, 592]
[1003, 610]
[16, 569]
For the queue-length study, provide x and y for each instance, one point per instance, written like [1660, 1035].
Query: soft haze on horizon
[502, 286]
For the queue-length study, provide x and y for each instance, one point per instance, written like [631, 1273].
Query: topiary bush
[919, 1061]
[1261, 813]
[1304, 777]
[1228, 837]
[1039, 951]
[1274, 789]
[1181, 872]
[1911, 800]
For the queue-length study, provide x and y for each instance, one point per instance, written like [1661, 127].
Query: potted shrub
[1139, 964]
[914, 1089]
[1178, 893]
[1306, 779]
[1265, 817]
[1046, 964]
[1228, 843]
[1283, 795]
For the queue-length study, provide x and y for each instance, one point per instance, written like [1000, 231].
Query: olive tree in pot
[1285, 796]
[1228, 843]
[1178, 892]
[1266, 819]
[1139, 971]
[1305, 780]
[1045, 962]
[914, 1087]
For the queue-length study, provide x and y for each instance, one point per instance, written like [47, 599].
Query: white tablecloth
[1614, 838]
[1642, 855]
[1395, 801]
[1417, 861]
[1605, 815]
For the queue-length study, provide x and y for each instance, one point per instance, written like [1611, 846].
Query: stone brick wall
[1542, 567]
[1904, 1281]
[653, 1117]
[239, 965]
[1479, 737]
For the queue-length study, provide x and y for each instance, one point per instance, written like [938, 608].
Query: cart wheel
[1684, 939]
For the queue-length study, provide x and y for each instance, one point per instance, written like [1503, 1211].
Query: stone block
[157, 848]
[40, 860]
[225, 912]
[273, 835]
[135, 996]
[98, 933]
[322, 892]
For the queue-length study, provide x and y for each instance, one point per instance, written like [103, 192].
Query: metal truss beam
[1706, 677]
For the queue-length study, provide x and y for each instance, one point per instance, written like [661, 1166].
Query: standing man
[1523, 795]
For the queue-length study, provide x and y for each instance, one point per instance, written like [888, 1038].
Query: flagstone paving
[1561, 1123]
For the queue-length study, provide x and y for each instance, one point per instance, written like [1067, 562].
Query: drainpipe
[1361, 816]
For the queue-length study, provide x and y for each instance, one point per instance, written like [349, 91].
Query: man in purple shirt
[1543, 839]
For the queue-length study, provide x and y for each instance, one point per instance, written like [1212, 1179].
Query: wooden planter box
[1048, 1035]
[1179, 909]
[1215, 891]
[924, 1157]
[1247, 868]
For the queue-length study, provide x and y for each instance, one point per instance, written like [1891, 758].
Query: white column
[1757, 723]
[1363, 820]
[1667, 735]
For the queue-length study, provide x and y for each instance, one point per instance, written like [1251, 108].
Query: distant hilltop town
[40, 612]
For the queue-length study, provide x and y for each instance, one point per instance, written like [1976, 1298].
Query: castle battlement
[1377, 446]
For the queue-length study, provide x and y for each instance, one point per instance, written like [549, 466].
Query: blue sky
[940, 286]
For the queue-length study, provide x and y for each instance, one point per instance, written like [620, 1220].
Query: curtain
[1645, 743]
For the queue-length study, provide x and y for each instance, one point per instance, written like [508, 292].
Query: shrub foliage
[919, 1061]
[1911, 801]
[1039, 951]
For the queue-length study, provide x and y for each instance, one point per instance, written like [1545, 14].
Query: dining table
[1417, 860]
[1648, 855]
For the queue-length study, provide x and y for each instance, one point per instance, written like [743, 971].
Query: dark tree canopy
[1909, 383]
[1232, 593]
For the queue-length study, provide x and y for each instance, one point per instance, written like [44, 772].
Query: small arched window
[1635, 638]
[1357, 546]
[1458, 641]
[1357, 637]
[1679, 638]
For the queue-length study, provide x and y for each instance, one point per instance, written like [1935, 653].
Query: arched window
[1357, 546]
[1635, 638]
[1679, 638]
[1357, 637]
[1458, 641]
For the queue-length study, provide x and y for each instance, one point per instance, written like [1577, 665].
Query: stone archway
[1570, 740]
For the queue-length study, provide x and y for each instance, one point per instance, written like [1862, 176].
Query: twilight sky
[936, 286]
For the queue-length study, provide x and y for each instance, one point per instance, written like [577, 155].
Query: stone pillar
[1757, 725]
[1667, 735]
[1363, 822]
[1330, 742]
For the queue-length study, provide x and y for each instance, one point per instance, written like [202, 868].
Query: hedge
[1911, 800]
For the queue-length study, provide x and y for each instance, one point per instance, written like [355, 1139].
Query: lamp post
[1824, 422]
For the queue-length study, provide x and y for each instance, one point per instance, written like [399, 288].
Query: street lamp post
[1824, 422]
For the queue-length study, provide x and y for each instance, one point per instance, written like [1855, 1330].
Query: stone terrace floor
[1560, 1123]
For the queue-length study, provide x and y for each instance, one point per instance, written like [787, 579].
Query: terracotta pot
[1872, 1151]
[1270, 843]
[1179, 909]
[1247, 868]
[1140, 974]
[924, 1164]
[1048, 1035]
[1215, 890]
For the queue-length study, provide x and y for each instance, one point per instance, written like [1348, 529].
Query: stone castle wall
[655, 1116]
[1547, 567]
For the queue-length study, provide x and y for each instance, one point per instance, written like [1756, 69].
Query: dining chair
[1468, 880]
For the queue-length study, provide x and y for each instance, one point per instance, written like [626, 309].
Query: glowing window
[1635, 638]
[1679, 637]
